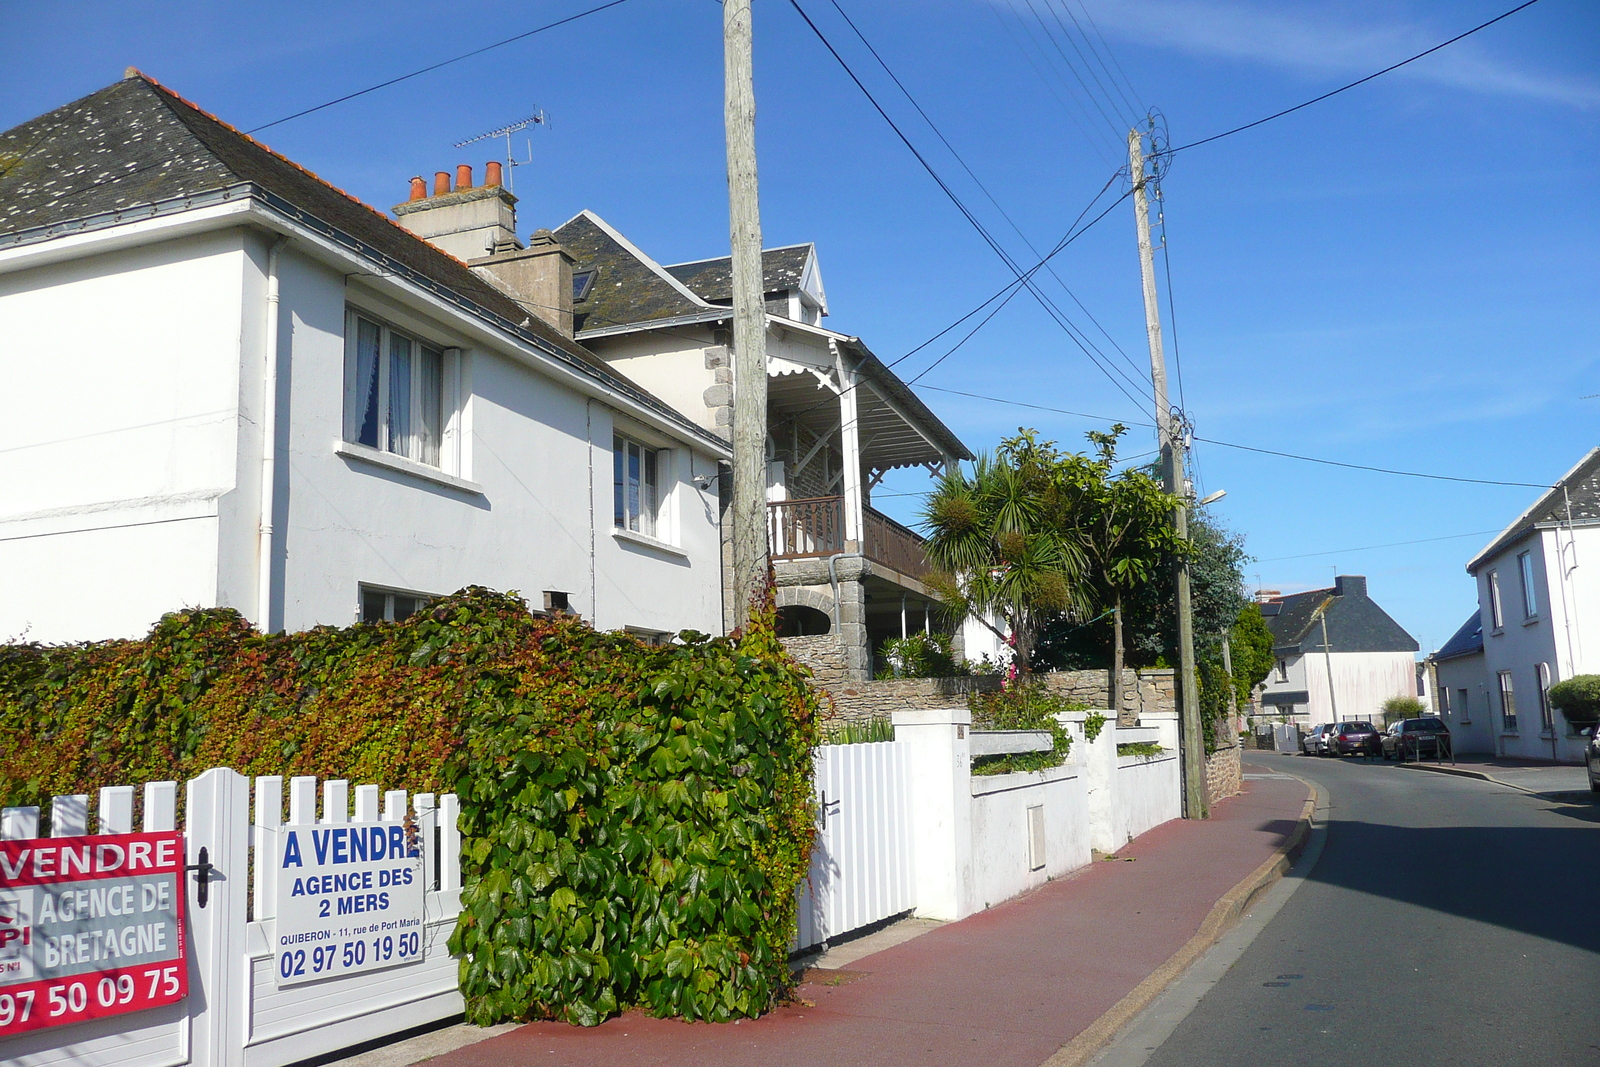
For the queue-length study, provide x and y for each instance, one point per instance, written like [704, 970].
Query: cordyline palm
[995, 545]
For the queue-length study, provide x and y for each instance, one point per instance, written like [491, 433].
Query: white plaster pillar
[850, 447]
[939, 769]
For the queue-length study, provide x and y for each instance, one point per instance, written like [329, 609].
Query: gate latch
[202, 879]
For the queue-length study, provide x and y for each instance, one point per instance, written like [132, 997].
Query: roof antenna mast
[538, 118]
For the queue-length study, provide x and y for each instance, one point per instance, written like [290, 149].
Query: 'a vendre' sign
[349, 900]
[89, 927]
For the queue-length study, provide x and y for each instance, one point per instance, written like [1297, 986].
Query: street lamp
[1212, 498]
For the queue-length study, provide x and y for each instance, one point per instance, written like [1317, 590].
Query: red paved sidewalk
[1006, 987]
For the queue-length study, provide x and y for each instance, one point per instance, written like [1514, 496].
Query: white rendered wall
[668, 364]
[118, 448]
[1362, 682]
[1473, 725]
[532, 527]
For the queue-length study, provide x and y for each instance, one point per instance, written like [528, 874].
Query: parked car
[1313, 744]
[1415, 738]
[1355, 739]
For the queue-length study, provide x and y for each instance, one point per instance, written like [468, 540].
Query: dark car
[1355, 739]
[1415, 738]
[1591, 757]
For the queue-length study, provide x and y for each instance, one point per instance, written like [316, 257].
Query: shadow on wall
[1531, 879]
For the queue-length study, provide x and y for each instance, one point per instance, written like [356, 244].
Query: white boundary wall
[235, 1016]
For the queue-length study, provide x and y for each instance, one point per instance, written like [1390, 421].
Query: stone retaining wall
[825, 655]
[1143, 691]
[1224, 774]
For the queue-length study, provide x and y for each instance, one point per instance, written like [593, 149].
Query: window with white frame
[1464, 704]
[1444, 701]
[1495, 615]
[1283, 670]
[397, 395]
[1541, 675]
[1530, 596]
[636, 492]
[1508, 703]
[387, 605]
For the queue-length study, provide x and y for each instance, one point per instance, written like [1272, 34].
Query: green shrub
[921, 655]
[1024, 706]
[1093, 723]
[1578, 699]
[858, 732]
[1145, 749]
[635, 819]
[1404, 707]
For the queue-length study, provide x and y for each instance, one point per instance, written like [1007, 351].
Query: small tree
[1250, 645]
[1578, 698]
[1404, 707]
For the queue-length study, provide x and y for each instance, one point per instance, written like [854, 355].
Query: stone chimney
[539, 276]
[1351, 585]
[464, 221]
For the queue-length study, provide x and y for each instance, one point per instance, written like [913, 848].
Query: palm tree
[997, 546]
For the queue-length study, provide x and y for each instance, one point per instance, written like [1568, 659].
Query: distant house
[1339, 655]
[1461, 694]
[234, 385]
[848, 576]
[1538, 620]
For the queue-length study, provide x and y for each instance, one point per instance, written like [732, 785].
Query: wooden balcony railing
[813, 526]
[797, 529]
[893, 545]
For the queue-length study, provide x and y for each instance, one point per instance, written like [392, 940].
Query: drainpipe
[594, 588]
[269, 444]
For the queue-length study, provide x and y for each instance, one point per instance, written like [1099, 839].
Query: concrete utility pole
[749, 315]
[1168, 437]
[1327, 659]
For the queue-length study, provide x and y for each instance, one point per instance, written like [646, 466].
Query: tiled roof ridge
[313, 175]
[719, 259]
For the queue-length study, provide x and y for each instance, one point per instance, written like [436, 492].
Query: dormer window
[582, 282]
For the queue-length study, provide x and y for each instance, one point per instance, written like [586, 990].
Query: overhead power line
[1352, 85]
[1391, 544]
[1246, 448]
[436, 66]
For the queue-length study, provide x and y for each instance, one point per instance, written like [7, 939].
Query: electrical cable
[979, 183]
[1247, 448]
[1391, 544]
[436, 66]
[1352, 85]
[1104, 365]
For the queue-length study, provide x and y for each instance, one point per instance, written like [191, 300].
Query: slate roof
[628, 286]
[1582, 489]
[712, 279]
[136, 142]
[1355, 622]
[1467, 641]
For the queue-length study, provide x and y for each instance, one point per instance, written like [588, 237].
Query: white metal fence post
[216, 814]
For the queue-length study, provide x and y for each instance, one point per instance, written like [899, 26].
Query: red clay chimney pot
[491, 173]
[419, 188]
[463, 177]
[441, 182]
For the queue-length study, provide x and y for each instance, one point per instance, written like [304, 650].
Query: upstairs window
[1283, 670]
[582, 282]
[1530, 595]
[383, 605]
[394, 392]
[636, 496]
[1496, 616]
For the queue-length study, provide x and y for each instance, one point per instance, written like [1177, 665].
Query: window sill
[390, 461]
[1532, 620]
[1498, 631]
[647, 542]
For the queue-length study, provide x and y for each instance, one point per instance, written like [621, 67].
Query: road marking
[1273, 777]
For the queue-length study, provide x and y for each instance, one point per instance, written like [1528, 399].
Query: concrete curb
[1461, 772]
[1222, 917]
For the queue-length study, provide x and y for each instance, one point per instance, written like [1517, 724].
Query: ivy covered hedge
[635, 818]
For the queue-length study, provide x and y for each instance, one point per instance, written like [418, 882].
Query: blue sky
[1402, 276]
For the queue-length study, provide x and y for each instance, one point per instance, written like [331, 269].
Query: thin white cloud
[1328, 43]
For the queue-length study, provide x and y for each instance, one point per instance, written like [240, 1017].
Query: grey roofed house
[137, 147]
[1467, 641]
[1355, 622]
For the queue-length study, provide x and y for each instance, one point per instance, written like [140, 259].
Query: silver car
[1315, 743]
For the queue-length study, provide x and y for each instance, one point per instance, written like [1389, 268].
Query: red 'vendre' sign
[90, 927]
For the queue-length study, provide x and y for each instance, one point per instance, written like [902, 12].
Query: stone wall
[1144, 692]
[824, 655]
[1224, 774]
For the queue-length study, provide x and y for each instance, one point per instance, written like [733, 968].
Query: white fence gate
[861, 867]
[236, 1015]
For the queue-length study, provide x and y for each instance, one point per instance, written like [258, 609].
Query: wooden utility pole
[1168, 436]
[1327, 659]
[749, 315]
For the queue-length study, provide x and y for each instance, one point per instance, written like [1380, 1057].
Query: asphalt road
[1447, 921]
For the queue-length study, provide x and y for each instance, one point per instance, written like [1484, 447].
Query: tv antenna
[538, 118]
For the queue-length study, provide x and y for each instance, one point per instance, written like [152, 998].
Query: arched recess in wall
[799, 620]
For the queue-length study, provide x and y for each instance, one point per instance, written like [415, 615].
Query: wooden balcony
[812, 527]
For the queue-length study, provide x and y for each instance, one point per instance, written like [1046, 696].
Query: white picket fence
[861, 866]
[235, 1014]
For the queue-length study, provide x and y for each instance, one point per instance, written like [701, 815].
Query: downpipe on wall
[269, 443]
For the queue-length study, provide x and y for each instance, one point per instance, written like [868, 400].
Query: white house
[227, 383]
[848, 577]
[1461, 690]
[1339, 655]
[1536, 608]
